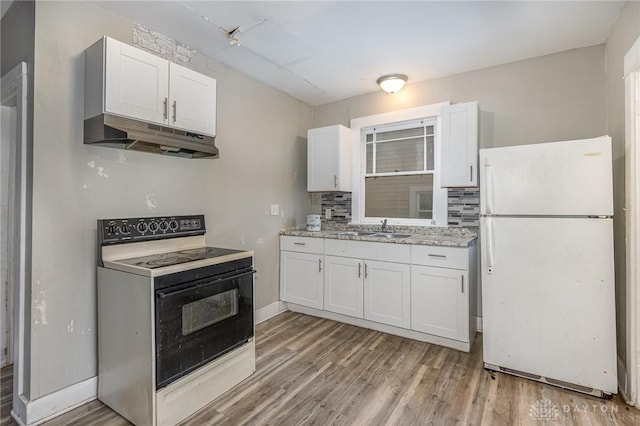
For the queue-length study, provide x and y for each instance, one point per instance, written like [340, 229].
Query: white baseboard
[269, 311]
[52, 405]
[403, 332]
[59, 402]
[479, 324]
[16, 418]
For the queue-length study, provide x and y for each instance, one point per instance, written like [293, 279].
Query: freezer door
[561, 178]
[548, 298]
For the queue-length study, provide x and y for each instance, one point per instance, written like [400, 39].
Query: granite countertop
[427, 236]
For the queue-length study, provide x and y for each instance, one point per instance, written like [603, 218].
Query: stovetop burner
[175, 258]
[208, 252]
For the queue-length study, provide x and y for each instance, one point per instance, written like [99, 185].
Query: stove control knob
[153, 226]
[142, 227]
[173, 225]
[124, 229]
[164, 226]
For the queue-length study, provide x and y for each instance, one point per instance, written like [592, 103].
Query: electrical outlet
[275, 209]
[327, 213]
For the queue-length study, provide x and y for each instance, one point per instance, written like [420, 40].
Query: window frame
[359, 165]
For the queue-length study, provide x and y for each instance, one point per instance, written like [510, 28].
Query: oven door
[198, 321]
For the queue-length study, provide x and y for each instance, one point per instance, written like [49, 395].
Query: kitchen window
[398, 165]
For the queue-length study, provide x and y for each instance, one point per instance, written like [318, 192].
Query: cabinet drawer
[302, 244]
[444, 257]
[388, 252]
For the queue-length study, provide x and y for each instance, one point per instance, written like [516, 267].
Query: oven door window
[208, 311]
[199, 321]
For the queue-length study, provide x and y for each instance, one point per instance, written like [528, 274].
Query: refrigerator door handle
[488, 187]
[489, 237]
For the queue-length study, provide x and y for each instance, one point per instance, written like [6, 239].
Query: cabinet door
[136, 83]
[440, 302]
[329, 159]
[301, 279]
[192, 101]
[343, 286]
[460, 145]
[387, 293]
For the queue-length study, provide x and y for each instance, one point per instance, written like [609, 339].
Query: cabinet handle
[319, 265]
[299, 244]
[166, 108]
[471, 173]
[366, 272]
[335, 181]
[440, 256]
[462, 284]
[175, 110]
[359, 270]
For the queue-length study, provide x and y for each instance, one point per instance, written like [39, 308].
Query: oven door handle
[165, 294]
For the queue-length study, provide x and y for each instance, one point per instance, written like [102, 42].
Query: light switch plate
[275, 209]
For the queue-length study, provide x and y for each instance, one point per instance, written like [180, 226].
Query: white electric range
[175, 318]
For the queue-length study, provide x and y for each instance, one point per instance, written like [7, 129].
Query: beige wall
[549, 98]
[624, 33]
[262, 141]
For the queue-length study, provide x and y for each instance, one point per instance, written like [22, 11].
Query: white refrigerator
[548, 299]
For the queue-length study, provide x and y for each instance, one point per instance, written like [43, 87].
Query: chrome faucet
[384, 225]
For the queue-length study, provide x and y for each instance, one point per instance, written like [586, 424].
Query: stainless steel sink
[356, 233]
[391, 235]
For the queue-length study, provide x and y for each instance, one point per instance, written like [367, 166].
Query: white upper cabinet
[136, 83]
[190, 100]
[459, 145]
[126, 81]
[329, 159]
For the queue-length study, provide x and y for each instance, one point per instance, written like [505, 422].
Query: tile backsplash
[463, 207]
[340, 205]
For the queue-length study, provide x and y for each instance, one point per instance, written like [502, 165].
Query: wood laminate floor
[317, 371]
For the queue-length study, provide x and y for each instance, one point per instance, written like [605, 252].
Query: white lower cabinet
[301, 278]
[343, 286]
[439, 302]
[422, 292]
[387, 293]
[369, 289]
[370, 281]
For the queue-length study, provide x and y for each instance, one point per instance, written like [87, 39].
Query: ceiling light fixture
[392, 83]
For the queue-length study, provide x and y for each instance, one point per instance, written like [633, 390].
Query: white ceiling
[324, 51]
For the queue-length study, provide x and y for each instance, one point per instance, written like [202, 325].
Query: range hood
[130, 134]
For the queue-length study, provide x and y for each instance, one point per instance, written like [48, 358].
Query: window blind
[400, 148]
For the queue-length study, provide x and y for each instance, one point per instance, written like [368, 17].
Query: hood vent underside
[126, 133]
